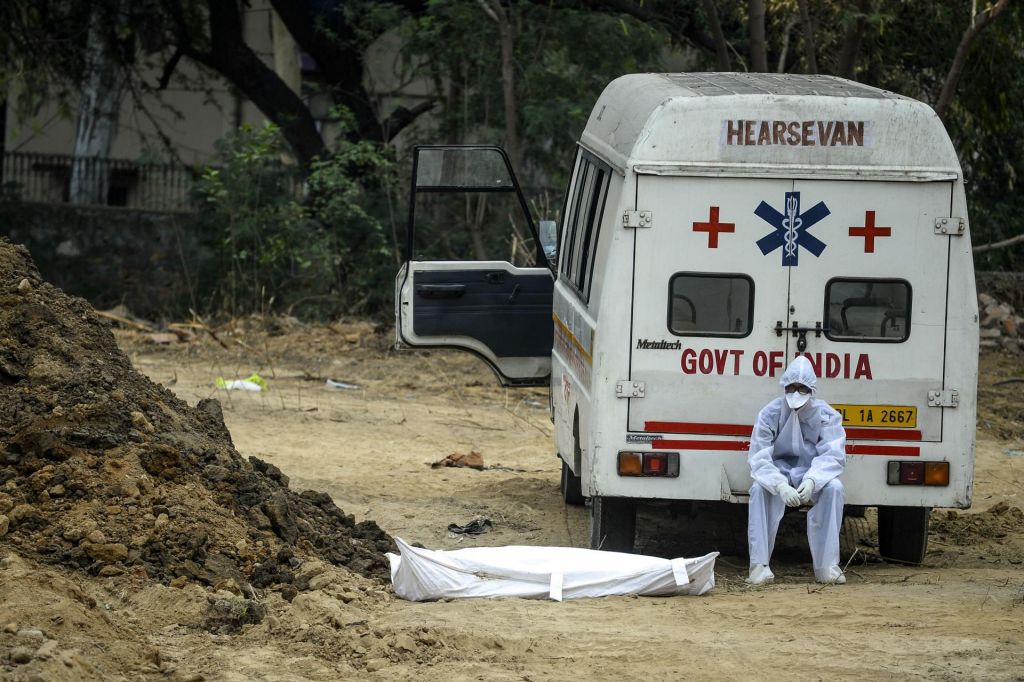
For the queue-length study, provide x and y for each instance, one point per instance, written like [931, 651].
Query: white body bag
[543, 573]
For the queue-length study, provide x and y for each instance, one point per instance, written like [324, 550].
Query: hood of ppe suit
[800, 372]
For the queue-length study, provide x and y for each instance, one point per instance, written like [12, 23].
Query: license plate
[889, 416]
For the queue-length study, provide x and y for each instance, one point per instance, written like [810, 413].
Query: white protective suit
[787, 446]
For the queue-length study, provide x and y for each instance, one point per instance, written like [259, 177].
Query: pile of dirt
[996, 533]
[106, 472]
[1000, 378]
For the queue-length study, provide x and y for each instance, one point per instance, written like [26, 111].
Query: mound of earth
[996, 533]
[106, 472]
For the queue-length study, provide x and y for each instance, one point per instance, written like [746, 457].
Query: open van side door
[475, 275]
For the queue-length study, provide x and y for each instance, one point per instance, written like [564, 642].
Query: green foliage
[563, 57]
[292, 243]
[984, 121]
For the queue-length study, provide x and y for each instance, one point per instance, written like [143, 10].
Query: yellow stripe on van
[572, 337]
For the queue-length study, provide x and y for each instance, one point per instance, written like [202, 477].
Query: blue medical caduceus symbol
[791, 228]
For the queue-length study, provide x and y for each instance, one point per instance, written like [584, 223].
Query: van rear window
[706, 304]
[876, 310]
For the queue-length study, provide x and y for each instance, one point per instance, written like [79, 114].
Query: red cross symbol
[713, 227]
[869, 231]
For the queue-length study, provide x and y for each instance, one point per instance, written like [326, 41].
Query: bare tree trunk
[98, 111]
[979, 20]
[498, 15]
[758, 48]
[810, 51]
[721, 47]
[784, 50]
[852, 39]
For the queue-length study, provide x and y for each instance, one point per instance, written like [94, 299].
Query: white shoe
[832, 574]
[760, 574]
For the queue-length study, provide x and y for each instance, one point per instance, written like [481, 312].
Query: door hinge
[940, 398]
[953, 227]
[638, 219]
[630, 389]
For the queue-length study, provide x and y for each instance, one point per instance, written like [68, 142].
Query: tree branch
[721, 46]
[787, 30]
[680, 26]
[809, 47]
[999, 245]
[340, 63]
[234, 59]
[856, 25]
[489, 11]
[172, 63]
[758, 47]
[978, 23]
[402, 117]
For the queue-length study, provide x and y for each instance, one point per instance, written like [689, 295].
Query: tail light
[918, 473]
[664, 464]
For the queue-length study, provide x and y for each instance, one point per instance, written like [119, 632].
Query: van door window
[468, 207]
[859, 309]
[583, 223]
[706, 304]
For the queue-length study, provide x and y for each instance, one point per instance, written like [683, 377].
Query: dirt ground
[959, 616]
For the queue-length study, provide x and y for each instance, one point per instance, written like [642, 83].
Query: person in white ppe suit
[797, 453]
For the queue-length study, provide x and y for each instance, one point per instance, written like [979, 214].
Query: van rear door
[878, 292]
[705, 306]
[475, 275]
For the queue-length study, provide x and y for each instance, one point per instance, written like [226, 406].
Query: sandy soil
[959, 616]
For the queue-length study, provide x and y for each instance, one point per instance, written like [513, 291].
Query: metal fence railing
[53, 178]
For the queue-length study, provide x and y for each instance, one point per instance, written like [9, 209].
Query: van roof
[758, 123]
[717, 84]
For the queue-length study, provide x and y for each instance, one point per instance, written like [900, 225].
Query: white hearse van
[715, 226]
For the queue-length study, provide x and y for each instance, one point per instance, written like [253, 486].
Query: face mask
[796, 400]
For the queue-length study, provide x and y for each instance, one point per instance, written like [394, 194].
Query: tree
[98, 109]
[808, 28]
[758, 46]
[721, 46]
[45, 38]
[979, 21]
[497, 13]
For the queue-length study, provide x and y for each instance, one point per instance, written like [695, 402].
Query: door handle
[495, 277]
[799, 332]
[440, 290]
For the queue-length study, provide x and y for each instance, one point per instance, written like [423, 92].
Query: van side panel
[574, 357]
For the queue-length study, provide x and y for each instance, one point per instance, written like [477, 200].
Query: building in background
[163, 136]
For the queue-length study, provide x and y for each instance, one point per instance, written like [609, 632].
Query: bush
[293, 242]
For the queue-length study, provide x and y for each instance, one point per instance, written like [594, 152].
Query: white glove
[789, 495]
[806, 489]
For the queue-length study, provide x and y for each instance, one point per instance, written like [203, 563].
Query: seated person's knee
[835, 487]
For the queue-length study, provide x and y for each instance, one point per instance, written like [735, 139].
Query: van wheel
[572, 486]
[903, 534]
[612, 523]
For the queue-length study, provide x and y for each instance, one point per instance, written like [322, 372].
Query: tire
[903, 534]
[612, 523]
[856, 532]
[854, 511]
[572, 486]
